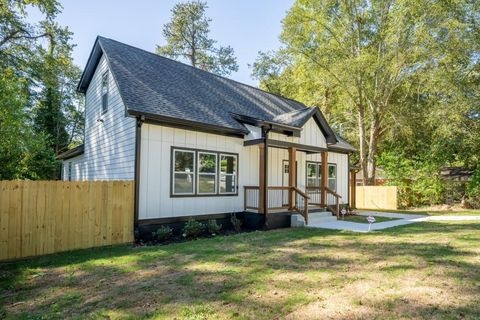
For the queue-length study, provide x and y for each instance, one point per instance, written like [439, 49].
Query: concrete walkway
[403, 220]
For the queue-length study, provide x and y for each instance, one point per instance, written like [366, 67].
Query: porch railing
[277, 199]
[332, 199]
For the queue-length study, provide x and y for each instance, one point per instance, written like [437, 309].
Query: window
[105, 92]
[228, 174]
[183, 172]
[207, 173]
[314, 174]
[203, 173]
[332, 176]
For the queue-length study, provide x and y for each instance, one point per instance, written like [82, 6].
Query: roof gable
[168, 91]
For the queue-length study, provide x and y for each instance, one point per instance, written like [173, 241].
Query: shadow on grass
[228, 270]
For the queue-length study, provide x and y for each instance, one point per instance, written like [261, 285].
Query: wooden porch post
[292, 174]
[261, 182]
[323, 201]
[353, 182]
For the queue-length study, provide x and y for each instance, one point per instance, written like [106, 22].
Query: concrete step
[316, 214]
[317, 220]
[313, 218]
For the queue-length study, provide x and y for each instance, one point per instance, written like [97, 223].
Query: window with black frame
[228, 174]
[183, 172]
[203, 173]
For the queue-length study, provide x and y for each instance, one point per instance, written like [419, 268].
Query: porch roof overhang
[285, 145]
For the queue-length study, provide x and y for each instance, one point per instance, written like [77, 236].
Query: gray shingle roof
[150, 84]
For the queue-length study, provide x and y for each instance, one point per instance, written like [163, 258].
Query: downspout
[265, 132]
[138, 140]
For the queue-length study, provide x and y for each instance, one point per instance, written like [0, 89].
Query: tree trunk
[362, 142]
[372, 150]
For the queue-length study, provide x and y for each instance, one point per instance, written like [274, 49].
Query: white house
[200, 145]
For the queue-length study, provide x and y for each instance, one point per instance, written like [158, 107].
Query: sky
[248, 26]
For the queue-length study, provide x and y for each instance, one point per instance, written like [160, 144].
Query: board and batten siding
[109, 144]
[78, 172]
[155, 172]
[310, 135]
[341, 160]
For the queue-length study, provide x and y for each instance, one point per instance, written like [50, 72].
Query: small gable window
[105, 92]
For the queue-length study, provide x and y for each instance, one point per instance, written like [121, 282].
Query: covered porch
[285, 184]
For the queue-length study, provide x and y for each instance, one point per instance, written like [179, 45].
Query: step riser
[298, 221]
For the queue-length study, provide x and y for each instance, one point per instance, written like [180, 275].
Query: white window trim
[107, 76]
[215, 174]
[334, 178]
[318, 177]
[183, 172]
[235, 174]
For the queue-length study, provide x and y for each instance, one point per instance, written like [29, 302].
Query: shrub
[213, 227]
[163, 233]
[193, 229]
[237, 223]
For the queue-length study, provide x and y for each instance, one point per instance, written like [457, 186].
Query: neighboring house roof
[78, 150]
[456, 173]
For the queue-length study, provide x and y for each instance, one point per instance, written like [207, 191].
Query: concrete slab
[404, 219]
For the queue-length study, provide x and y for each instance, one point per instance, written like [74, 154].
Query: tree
[378, 62]
[37, 91]
[187, 36]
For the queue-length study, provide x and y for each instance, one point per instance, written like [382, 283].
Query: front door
[285, 180]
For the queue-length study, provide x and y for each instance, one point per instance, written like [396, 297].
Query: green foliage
[187, 36]
[237, 223]
[396, 76]
[213, 227]
[193, 229]
[40, 112]
[163, 233]
[473, 199]
[418, 180]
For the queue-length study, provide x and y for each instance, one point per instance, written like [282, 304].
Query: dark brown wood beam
[292, 174]
[261, 180]
[323, 201]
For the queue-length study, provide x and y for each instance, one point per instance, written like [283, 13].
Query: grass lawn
[363, 219]
[422, 271]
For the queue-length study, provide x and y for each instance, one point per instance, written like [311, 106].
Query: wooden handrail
[304, 212]
[332, 192]
[303, 194]
[337, 200]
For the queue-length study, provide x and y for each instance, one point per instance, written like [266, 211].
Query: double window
[105, 92]
[314, 175]
[198, 172]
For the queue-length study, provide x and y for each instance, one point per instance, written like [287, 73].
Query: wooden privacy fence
[41, 217]
[376, 197]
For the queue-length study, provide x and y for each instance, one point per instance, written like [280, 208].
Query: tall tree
[34, 81]
[373, 57]
[187, 36]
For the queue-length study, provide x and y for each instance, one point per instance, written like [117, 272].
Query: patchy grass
[424, 270]
[363, 219]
